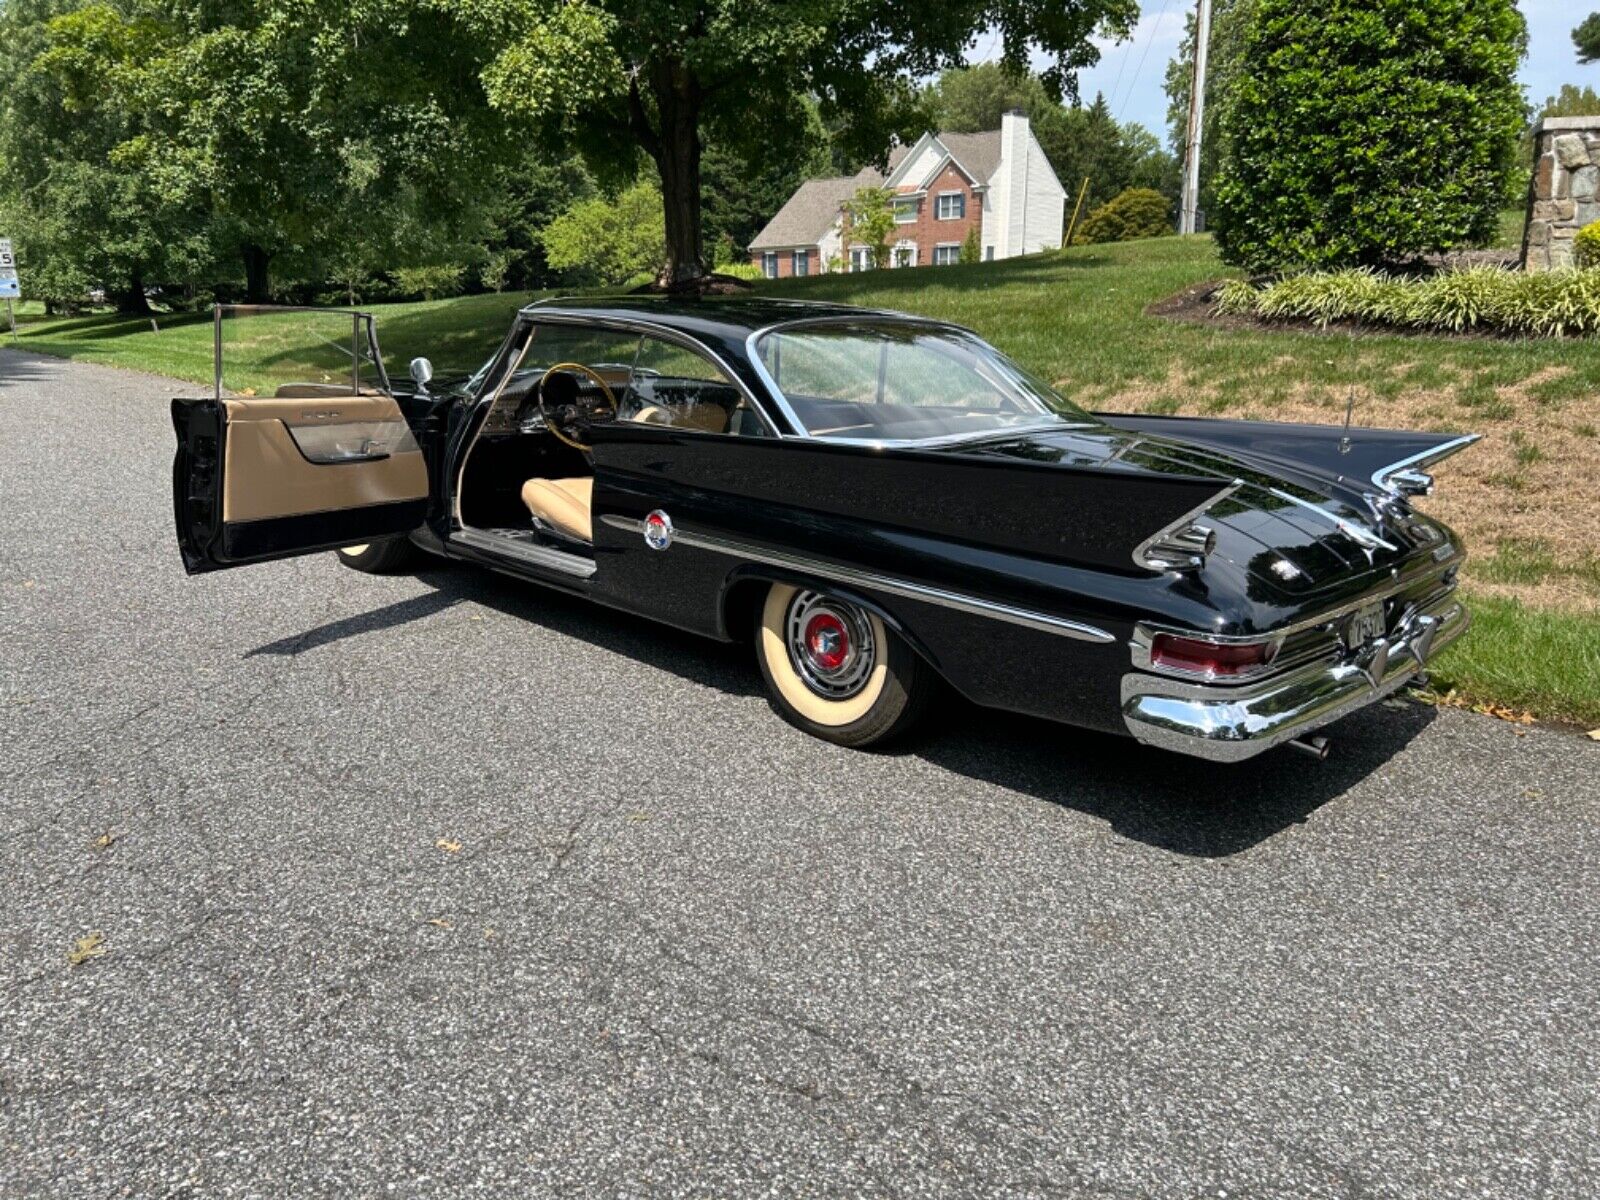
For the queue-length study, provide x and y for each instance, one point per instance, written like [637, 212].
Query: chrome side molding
[872, 581]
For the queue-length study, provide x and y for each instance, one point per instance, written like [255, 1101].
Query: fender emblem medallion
[658, 530]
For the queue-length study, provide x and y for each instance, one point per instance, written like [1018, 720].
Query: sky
[1131, 74]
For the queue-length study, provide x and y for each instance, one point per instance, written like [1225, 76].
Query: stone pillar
[1564, 194]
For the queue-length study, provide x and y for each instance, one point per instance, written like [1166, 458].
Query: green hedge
[1365, 132]
[1476, 299]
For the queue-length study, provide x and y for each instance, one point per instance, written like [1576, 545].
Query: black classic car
[881, 504]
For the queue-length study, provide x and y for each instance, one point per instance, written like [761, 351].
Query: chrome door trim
[871, 580]
[539, 556]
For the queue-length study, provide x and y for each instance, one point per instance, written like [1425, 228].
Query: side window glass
[682, 389]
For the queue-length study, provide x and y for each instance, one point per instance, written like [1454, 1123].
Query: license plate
[1366, 625]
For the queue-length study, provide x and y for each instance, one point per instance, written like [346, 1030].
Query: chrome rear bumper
[1229, 724]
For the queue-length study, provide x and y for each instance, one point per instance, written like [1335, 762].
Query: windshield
[886, 380]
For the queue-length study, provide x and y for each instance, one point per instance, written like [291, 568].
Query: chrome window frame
[490, 390]
[953, 439]
[359, 317]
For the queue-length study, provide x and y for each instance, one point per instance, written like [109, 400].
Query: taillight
[1211, 658]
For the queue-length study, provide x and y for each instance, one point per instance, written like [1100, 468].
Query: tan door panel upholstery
[563, 504]
[266, 475]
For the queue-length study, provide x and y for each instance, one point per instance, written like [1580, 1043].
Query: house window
[860, 258]
[905, 256]
[950, 206]
[802, 262]
[905, 212]
[769, 264]
[988, 254]
[947, 254]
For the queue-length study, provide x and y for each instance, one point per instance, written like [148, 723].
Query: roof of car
[721, 316]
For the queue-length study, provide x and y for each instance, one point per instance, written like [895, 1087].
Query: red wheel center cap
[827, 641]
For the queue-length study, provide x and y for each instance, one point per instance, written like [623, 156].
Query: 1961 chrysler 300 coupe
[880, 504]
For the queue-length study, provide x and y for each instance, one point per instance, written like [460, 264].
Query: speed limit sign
[10, 288]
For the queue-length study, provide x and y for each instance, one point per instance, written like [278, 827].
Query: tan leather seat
[563, 504]
[708, 418]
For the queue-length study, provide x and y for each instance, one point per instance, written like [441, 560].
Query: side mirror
[421, 371]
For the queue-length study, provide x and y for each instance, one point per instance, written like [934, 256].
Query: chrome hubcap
[830, 645]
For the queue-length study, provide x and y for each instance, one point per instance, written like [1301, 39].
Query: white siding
[919, 168]
[1045, 207]
[832, 246]
[991, 220]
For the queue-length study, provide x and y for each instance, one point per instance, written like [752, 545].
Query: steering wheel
[566, 408]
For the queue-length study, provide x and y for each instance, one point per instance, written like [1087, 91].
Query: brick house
[945, 185]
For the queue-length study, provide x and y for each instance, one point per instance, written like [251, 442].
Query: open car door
[313, 466]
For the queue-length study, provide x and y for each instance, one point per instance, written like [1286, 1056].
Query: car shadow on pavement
[1166, 800]
[1182, 805]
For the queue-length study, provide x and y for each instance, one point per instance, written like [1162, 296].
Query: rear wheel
[835, 671]
[382, 557]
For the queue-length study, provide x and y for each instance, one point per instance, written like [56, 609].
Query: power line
[1118, 109]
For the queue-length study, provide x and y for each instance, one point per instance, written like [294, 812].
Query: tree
[1586, 37]
[83, 215]
[316, 132]
[1087, 143]
[1365, 133]
[609, 240]
[1230, 19]
[613, 77]
[869, 222]
[740, 192]
[973, 99]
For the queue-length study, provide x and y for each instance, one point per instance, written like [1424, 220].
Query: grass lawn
[1527, 499]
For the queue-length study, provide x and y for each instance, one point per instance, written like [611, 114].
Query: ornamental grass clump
[1474, 299]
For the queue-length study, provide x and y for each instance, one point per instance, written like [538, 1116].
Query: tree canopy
[613, 77]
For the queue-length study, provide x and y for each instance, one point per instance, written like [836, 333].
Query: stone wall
[1565, 193]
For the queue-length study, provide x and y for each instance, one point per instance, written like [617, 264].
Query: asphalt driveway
[442, 885]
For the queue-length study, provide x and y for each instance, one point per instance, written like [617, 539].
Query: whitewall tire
[380, 557]
[834, 670]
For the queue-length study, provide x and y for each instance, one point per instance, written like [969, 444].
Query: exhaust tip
[1317, 747]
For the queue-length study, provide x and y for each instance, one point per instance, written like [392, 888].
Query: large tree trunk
[676, 151]
[257, 282]
[132, 302]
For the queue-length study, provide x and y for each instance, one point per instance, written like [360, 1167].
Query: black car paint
[1045, 521]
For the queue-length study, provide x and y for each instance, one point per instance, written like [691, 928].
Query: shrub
[1135, 213]
[610, 241]
[1488, 299]
[740, 270]
[972, 247]
[429, 282]
[1586, 246]
[1368, 132]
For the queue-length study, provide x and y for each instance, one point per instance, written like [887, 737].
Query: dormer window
[950, 206]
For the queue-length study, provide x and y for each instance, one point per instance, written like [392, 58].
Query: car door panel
[260, 479]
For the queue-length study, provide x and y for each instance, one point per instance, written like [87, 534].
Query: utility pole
[1187, 218]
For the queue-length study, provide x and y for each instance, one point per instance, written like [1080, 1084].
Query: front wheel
[383, 557]
[834, 670]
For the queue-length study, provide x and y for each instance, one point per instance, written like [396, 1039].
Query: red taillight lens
[1210, 658]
